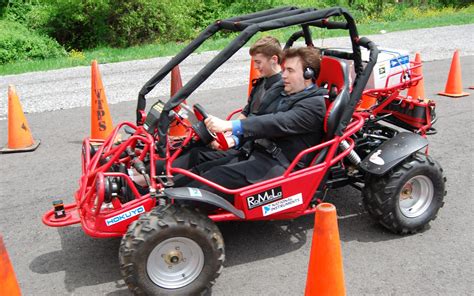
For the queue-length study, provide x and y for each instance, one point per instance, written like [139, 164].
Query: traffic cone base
[454, 84]
[462, 94]
[35, 145]
[19, 134]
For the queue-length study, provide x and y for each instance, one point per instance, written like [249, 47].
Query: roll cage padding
[249, 25]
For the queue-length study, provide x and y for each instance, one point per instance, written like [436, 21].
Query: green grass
[395, 20]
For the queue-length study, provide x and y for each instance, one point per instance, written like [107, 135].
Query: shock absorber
[140, 167]
[352, 156]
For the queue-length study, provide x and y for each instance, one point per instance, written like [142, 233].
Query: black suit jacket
[295, 124]
[264, 96]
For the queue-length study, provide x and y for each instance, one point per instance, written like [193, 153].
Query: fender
[200, 195]
[392, 152]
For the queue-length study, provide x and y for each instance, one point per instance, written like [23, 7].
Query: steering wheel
[201, 115]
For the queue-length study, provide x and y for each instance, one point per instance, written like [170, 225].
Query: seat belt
[275, 151]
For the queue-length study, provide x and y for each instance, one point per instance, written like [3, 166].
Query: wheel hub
[406, 191]
[175, 262]
[173, 257]
[416, 196]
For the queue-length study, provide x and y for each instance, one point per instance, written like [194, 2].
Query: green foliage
[79, 25]
[139, 21]
[3, 7]
[17, 42]
[32, 14]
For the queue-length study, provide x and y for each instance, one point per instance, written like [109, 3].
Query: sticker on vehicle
[194, 192]
[281, 205]
[265, 197]
[376, 159]
[399, 61]
[125, 215]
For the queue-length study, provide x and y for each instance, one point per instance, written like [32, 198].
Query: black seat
[334, 75]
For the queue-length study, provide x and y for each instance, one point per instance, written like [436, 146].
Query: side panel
[288, 198]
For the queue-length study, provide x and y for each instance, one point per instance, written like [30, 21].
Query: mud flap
[200, 195]
[392, 152]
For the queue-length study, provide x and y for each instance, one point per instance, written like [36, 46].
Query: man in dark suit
[267, 55]
[294, 125]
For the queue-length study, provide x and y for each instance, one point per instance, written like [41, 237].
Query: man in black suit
[294, 125]
[267, 55]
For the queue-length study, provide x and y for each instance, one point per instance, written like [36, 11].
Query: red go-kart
[375, 140]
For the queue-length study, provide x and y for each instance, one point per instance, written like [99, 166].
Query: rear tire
[171, 250]
[407, 198]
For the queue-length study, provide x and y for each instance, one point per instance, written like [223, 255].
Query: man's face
[265, 65]
[293, 76]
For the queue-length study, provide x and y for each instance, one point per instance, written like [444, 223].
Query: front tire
[171, 250]
[407, 198]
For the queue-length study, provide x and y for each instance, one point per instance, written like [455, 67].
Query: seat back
[334, 75]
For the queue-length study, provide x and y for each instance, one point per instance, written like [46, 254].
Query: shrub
[139, 21]
[17, 42]
[78, 24]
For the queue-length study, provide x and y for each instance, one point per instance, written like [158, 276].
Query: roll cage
[248, 25]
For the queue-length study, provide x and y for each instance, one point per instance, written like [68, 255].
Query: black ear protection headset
[308, 73]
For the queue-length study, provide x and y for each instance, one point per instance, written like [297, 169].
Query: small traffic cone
[19, 134]
[176, 129]
[366, 102]
[101, 122]
[417, 92]
[8, 283]
[454, 84]
[325, 272]
[253, 74]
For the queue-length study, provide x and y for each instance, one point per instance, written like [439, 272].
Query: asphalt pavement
[262, 258]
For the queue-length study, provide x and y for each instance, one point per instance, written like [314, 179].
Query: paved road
[262, 258]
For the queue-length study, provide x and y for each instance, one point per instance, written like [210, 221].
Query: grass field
[412, 19]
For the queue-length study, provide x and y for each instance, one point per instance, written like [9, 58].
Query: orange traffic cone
[454, 84]
[418, 91]
[176, 129]
[254, 74]
[325, 272]
[101, 122]
[366, 102]
[19, 134]
[8, 283]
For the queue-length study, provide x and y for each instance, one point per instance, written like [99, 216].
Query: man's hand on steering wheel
[202, 115]
[217, 125]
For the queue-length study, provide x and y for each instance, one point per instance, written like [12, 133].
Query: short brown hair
[310, 57]
[268, 46]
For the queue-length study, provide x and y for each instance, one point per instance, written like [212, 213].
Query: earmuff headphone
[308, 73]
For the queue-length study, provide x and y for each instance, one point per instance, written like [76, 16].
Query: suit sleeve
[305, 116]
